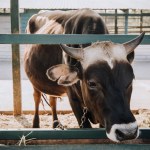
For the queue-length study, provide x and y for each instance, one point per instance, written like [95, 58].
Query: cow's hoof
[36, 126]
[56, 123]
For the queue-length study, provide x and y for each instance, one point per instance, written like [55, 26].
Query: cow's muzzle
[121, 132]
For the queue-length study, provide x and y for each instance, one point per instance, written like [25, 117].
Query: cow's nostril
[126, 135]
[120, 132]
[120, 135]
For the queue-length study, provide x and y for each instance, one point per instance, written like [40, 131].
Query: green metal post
[126, 21]
[141, 22]
[16, 59]
[116, 22]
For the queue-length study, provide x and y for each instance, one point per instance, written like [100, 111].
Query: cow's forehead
[103, 51]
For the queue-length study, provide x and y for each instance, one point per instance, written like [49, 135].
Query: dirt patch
[143, 118]
[68, 120]
[25, 121]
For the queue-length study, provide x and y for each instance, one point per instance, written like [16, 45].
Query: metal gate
[65, 139]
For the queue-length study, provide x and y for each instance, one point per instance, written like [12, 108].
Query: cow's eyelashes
[92, 84]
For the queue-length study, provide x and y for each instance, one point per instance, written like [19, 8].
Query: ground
[68, 120]
[140, 101]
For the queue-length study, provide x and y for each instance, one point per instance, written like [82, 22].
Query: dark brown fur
[38, 58]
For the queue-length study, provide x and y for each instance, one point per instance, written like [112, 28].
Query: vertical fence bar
[126, 21]
[141, 22]
[16, 59]
[116, 22]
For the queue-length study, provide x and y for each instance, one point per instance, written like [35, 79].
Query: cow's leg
[77, 108]
[37, 100]
[78, 111]
[53, 102]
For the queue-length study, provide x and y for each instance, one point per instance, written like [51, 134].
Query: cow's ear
[130, 57]
[64, 74]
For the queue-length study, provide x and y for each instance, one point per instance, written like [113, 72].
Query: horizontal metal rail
[79, 147]
[66, 39]
[84, 139]
[102, 14]
[45, 134]
[130, 15]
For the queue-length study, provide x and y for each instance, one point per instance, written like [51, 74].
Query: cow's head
[106, 77]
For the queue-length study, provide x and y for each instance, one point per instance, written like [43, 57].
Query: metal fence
[15, 39]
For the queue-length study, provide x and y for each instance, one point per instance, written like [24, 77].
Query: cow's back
[39, 20]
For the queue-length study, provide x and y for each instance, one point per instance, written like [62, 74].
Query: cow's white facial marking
[126, 129]
[103, 51]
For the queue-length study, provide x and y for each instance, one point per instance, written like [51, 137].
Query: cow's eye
[92, 84]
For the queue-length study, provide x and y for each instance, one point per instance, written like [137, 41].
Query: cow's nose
[126, 134]
[120, 132]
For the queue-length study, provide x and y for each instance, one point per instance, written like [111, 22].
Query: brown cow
[38, 58]
[98, 76]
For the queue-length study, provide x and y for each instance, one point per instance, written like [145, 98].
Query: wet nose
[120, 132]
[126, 134]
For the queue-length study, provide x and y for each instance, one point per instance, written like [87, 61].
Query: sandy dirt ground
[68, 120]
